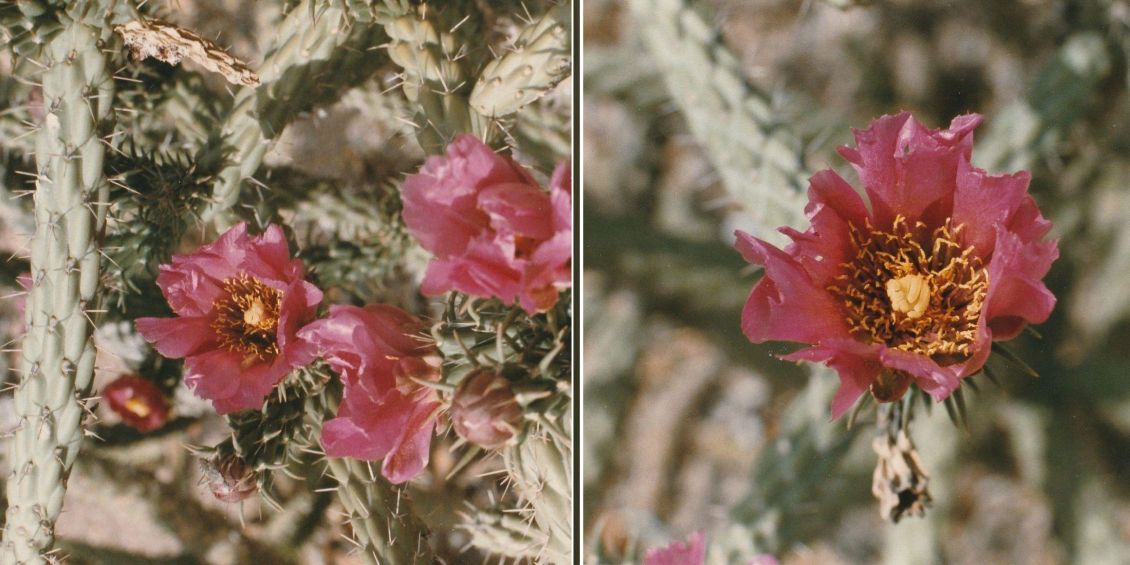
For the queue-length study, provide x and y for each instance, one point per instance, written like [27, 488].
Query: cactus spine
[541, 470]
[385, 528]
[310, 47]
[58, 354]
[538, 60]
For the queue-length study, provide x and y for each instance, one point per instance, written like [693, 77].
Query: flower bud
[138, 401]
[484, 410]
[229, 477]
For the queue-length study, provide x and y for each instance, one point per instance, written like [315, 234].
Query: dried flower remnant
[171, 44]
[690, 552]
[900, 481]
[386, 412]
[915, 289]
[229, 478]
[492, 229]
[139, 403]
[484, 410]
[239, 303]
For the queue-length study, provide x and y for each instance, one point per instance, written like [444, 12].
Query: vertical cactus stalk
[541, 471]
[307, 63]
[434, 79]
[385, 529]
[58, 354]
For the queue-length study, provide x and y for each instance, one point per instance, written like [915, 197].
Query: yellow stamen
[910, 295]
[137, 407]
[247, 318]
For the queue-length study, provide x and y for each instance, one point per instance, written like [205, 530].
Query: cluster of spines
[58, 355]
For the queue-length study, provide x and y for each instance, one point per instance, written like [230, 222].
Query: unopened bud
[485, 411]
[229, 477]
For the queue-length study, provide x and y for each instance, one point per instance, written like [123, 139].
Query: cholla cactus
[154, 132]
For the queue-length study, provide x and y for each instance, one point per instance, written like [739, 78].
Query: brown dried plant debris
[171, 44]
[900, 481]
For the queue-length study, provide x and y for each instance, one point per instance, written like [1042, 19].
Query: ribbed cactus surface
[58, 354]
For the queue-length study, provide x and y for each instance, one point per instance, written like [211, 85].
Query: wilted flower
[691, 552]
[138, 401]
[385, 412]
[240, 302]
[947, 259]
[229, 478]
[484, 410]
[492, 229]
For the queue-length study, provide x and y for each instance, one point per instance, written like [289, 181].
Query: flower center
[247, 318]
[914, 289]
[137, 407]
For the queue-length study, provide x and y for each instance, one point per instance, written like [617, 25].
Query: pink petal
[833, 207]
[299, 305]
[518, 208]
[187, 288]
[983, 201]
[1016, 291]
[561, 193]
[255, 384]
[937, 381]
[786, 305]
[856, 363]
[366, 428]
[907, 168]
[213, 374]
[692, 552]
[177, 337]
[411, 455]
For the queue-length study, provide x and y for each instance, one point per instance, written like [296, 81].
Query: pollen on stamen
[247, 317]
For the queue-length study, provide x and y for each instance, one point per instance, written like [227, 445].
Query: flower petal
[982, 202]
[177, 337]
[786, 305]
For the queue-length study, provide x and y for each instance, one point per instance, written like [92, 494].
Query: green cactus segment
[759, 159]
[537, 61]
[58, 354]
[385, 528]
[541, 470]
[434, 79]
[317, 54]
[505, 534]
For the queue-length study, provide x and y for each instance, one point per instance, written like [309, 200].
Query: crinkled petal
[786, 305]
[255, 384]
[411, 454]
[213, 374]
[936, 380]
[177, 337]
[518, 209]
[367, 428]
[833, 206]
[189, 290]
[856, 363]
[983, 201]
[1017, 294]
[907, 168]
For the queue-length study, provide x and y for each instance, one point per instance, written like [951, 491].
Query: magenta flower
[915, 288]
[385, 413]
[138, 401]
[239, 303]
[691, 552]
[492, 229]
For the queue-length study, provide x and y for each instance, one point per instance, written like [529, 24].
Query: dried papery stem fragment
[171, 44]
[900, 481]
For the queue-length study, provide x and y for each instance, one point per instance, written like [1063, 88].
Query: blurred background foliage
[703, 117]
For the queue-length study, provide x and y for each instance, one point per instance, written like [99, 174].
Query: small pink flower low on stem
[947, 259]
[138, 401]
[239, 303]
[385, 412]
[492, 229]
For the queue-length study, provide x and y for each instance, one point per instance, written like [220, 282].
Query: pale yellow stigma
[910, 295]
[256, 315]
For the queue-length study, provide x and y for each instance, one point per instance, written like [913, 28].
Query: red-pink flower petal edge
[921, 187]
[492, 230]
[240, 302]
[690, 552]
[385, 413]
[138, 401]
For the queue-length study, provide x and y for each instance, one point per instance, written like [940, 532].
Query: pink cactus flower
[138, 401]
[239, 303]
[492, 229]
[691, 552]
[916, 287]
[386, 413]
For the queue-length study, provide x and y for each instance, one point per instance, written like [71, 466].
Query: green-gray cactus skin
[534, 64]
[541, 469]
[58, 354]
[385, 528]
[317, 53]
